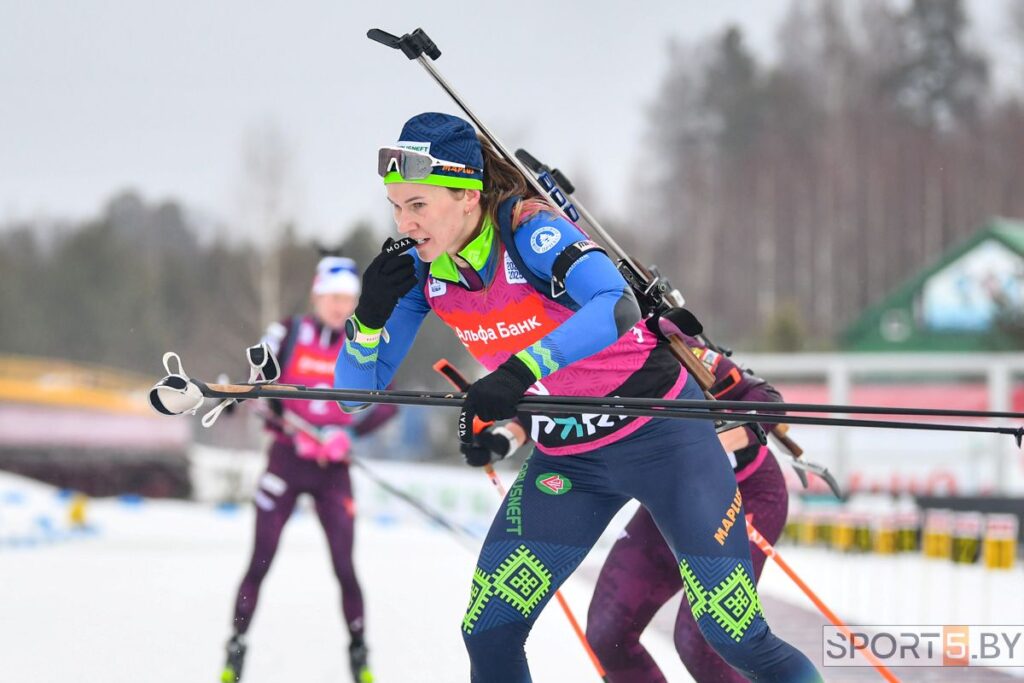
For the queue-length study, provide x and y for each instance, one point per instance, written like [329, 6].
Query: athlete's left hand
[496, 396]
[491, 445]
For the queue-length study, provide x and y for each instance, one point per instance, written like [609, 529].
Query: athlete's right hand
[307, 446]
[390, 275]
[489, 446]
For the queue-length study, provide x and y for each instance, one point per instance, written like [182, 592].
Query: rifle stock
[781, 433]
[682, 351]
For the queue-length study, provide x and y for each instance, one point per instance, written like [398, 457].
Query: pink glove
[306, 446]
[335, 445]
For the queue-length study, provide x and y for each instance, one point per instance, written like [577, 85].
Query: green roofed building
[971, 299]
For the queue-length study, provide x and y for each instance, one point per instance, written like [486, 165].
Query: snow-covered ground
[146, 593]
[147, 597]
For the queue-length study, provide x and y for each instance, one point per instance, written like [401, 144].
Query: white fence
[915, 461]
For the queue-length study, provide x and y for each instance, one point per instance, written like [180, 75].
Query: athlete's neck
[472, 225]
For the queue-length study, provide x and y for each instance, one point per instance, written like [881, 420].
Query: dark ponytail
[503, 180]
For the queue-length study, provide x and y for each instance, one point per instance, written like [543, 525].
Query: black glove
[490, 445]
[496, 396]
[390, 275]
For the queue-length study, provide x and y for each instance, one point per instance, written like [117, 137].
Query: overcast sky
[97, 96]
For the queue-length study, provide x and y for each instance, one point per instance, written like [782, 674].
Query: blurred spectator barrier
[919, 463]
[88, 428]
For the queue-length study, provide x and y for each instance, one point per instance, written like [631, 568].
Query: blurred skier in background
[309, 453]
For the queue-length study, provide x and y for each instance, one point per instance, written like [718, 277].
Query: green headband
[437, 179]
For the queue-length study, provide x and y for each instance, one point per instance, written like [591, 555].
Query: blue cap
[447, 138]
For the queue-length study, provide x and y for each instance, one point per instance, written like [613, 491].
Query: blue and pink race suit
[583, 341]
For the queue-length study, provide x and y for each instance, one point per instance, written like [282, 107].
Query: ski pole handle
[459, 381]
[412, 45]
[466, 419]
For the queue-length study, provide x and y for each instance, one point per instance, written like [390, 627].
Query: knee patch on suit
[722, 597]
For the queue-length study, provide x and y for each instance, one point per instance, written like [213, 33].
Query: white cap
[336, 275]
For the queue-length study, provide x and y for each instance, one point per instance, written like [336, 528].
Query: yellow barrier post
[966, 537]
[1000, 544]
[938, 534]
[77, 510]
[842, 534]
[862, 533]
[824, 522]
[885, 534]
[807, 529]
[908, 528]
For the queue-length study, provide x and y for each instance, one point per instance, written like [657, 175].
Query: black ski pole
[675, 409]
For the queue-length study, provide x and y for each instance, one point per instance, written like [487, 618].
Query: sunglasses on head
[409, 164]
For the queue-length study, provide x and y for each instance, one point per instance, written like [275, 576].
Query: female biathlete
[485, 256]
[310, 454]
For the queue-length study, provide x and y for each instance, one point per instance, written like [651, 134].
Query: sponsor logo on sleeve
[544, 239]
